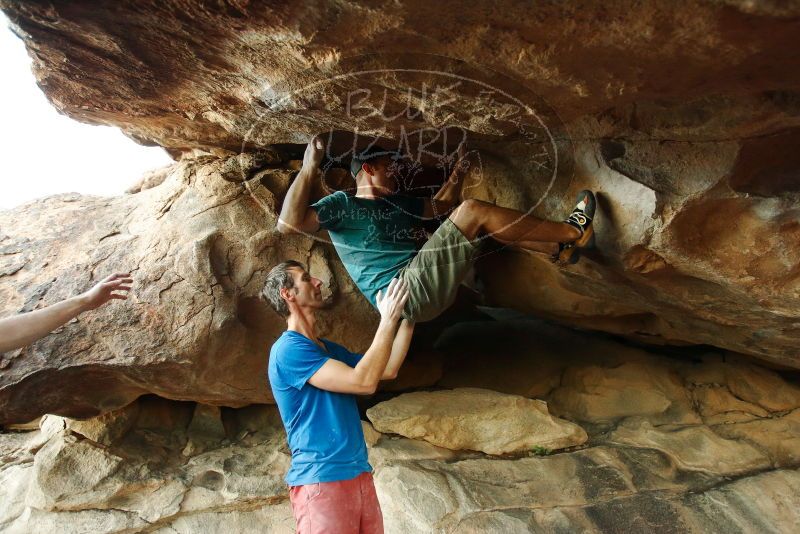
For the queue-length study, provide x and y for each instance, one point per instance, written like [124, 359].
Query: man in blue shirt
[314, 382]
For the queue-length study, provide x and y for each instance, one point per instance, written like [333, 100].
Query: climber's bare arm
[25, 328]
[296, 214]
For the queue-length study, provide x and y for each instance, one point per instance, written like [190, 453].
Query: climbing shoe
[581, 218]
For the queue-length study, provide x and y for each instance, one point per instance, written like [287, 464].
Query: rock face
[597, 490]
[685, 121]
[201, 78]
[60, 479]
[476, 419]
[601, 394]
[169, 466]
[693, 448]
[199, 248]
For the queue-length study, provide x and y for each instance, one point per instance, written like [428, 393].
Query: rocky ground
[641, 443]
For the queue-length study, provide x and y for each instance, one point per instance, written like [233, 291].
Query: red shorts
[341, 507]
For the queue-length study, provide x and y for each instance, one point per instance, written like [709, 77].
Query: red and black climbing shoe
[581, 218]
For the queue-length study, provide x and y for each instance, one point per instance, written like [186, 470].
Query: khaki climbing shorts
[434, 274]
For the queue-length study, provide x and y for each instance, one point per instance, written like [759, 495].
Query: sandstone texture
[475, 419]
[199, 248]
[684, 120]
[59, 479]
[142, 469]
[693, 447]
[637, 400]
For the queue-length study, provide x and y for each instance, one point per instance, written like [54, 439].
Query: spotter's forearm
[23, 329]
[402, 340]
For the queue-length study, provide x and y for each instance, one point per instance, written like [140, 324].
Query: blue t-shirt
[323, 428]
[375, 238]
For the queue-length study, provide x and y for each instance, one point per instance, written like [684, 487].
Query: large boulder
[684, 120]
[202, 78]
[144, 477]
[602, 394]
[692, 447]
[141, 479]
[476, 419]
[199, 248]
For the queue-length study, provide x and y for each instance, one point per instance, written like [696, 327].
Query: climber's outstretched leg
[476, 218]
[434, 274]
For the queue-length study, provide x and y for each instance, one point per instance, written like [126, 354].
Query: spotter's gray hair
[280, 278]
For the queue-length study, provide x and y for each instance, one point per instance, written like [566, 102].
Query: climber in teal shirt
[379, 233]
[375, 238]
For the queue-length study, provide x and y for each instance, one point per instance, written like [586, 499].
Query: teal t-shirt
[375, 238]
